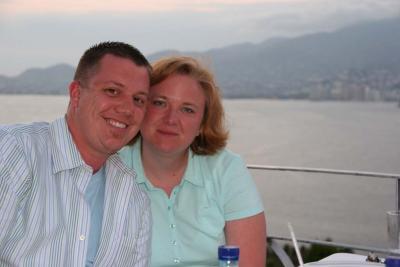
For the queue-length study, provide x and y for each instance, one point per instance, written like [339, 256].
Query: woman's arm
[250, 235]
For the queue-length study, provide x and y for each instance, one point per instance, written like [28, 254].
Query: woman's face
[174, 114]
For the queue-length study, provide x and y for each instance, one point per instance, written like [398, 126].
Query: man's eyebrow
[114, 83]
[143, 93]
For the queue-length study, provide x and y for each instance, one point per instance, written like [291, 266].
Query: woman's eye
[188, 110]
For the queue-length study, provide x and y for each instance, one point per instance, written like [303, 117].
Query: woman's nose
[171, 116]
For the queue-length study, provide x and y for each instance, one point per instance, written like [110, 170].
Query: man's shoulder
[19, 143]
[34, 128]
[23, 142]
[24, 133]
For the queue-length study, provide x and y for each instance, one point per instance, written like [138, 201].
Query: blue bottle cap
[392, 261]
[228, 253]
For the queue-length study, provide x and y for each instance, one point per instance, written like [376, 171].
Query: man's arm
[14, 181]
[8, 206]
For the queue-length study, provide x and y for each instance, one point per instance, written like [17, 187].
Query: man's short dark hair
[89, 61]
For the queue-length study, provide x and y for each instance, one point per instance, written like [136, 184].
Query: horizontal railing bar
[335, 244]
[330, 171]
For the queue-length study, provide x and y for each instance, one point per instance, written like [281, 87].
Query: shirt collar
[65, 154]
[193, 170]
[191, 175]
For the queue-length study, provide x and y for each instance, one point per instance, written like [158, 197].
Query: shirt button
[176, 260]
[169, 207]
[82, 237]
[174, 242]
[172, 225]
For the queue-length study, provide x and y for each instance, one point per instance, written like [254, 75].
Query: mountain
[52, 80]
[283, 67]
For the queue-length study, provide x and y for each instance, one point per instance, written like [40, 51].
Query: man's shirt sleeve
[14, 181]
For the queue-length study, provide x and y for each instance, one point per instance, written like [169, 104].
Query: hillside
[364, 54]
[52, 80]
[284, 67]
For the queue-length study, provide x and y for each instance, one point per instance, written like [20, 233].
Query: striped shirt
[44, 218]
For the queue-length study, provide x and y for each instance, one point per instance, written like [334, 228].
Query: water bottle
[228, 256]
[393, 227]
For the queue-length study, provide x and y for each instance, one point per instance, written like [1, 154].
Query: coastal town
[358, 86]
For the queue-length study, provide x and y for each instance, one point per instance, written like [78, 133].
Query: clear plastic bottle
[228, 256]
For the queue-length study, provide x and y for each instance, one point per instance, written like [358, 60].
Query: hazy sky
[41, 33]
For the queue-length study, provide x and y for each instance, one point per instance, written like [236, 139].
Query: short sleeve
[241, 198]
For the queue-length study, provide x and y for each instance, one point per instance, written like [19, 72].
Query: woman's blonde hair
[213, 133]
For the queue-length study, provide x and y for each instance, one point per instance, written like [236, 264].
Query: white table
[344, 260]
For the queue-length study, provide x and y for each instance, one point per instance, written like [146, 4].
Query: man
[65, 198]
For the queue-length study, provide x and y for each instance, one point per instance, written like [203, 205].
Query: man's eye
[158, 103]
[111, 91]
[140, 100]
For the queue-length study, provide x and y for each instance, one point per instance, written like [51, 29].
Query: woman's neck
[164, 170]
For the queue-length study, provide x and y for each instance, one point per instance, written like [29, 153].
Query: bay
[335, 135]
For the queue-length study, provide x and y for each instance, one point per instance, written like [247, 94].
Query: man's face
[108, 111]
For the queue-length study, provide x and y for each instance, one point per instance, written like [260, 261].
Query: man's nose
[126, 106]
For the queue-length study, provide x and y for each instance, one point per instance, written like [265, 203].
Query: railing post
[397, 193]
[280, 253]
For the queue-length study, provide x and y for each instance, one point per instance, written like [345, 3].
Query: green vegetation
[310, 253]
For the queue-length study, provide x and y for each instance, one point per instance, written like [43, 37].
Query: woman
[202, 195]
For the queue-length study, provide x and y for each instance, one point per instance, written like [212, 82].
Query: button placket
[172, 226]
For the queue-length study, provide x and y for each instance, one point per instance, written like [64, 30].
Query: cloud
[321, 15]
[61, 31]
[26, 7]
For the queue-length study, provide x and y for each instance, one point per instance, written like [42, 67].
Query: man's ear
[74, 93]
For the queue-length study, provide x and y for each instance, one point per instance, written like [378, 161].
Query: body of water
[335, 135]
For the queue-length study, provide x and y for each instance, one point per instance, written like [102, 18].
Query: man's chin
[113, 148]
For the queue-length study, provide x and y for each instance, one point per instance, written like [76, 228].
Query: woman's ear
[200, 130]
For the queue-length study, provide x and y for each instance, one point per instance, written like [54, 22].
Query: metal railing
[272, 240]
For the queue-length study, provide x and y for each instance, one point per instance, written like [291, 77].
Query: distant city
[352, 86]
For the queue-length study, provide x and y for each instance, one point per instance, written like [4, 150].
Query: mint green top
[189, 225]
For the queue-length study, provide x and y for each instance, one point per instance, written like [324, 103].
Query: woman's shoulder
[126, 151]
[222, 157]
[219, 164]
[127, 154]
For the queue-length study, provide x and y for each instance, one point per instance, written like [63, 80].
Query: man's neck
[94, 160]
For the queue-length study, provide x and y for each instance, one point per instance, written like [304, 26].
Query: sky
[42, 33]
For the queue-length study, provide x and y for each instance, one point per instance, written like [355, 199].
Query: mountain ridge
[280, 67]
